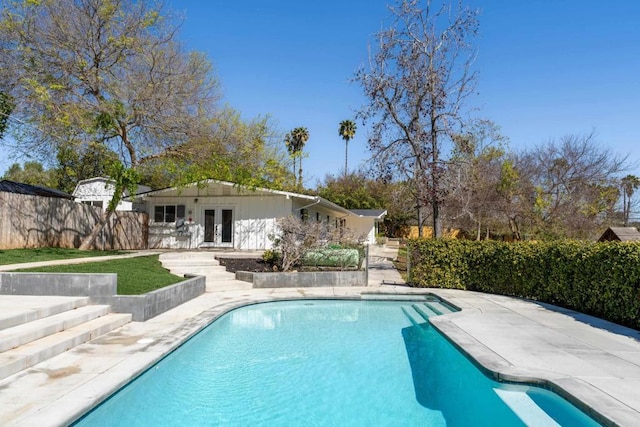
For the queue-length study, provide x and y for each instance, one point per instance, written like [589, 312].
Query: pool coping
[149, 342]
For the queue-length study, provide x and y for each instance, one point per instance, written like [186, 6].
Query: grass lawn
[135, 275]
[18, 256]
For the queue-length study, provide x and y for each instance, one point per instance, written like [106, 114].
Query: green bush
[331, 257]
[601, 279]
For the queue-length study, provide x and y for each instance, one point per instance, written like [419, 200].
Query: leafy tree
[235, 150]
[353, 191]
[347, 131]
[32, 173]
[415, 84]
[629, 184]
[6, 107]
[105, 71]
[75, 163]
[474, 177]
[357, 191]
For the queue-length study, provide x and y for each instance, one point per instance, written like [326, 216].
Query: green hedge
[601, 279]
[328, 257]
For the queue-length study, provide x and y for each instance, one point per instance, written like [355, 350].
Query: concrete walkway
[595, 361]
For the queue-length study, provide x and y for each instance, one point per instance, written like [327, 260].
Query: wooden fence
[35, 222]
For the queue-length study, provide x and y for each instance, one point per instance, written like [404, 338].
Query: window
[168, 213]
[318, 217]
[97, 203]
[304, 214]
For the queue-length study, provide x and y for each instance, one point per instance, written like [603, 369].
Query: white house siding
[98, 190]
[254, 219]
[364, 226]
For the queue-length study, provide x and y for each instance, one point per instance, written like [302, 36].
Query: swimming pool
[326, 362]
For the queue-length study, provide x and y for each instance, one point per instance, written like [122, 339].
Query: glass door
[218, 227]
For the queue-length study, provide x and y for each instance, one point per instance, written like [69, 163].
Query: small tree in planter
[296, 237]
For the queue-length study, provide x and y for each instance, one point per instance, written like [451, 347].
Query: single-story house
[98, 192]
[220, 214]
[620, 234]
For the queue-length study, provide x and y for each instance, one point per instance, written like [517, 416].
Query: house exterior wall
[100, 191]
[254, 219]
[363, 226]
[252, 213]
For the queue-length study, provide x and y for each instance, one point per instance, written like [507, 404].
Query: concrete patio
[595, 361]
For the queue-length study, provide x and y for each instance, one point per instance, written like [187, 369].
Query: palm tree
[347, 131]
[288, 141]
[299, 137]
[629, 184]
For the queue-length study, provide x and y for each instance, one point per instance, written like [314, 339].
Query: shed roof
[622, 234]
[32, 190]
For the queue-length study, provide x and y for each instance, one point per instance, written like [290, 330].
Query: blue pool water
[326, 363]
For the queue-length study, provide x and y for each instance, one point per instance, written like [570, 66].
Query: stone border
[102, 289]
[305, 279]
[59, 284]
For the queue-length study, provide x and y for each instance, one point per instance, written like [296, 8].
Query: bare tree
[416, 82]
[569, 187]
[107, 71]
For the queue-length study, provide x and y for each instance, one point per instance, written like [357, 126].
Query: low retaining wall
[146, 306]
[307, 279]
[102, 289]
[59, 284]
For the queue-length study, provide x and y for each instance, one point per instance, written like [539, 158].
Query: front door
[218, 227]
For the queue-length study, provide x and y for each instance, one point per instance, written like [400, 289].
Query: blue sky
[547, 68]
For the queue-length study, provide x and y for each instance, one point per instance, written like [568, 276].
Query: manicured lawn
[18, 256]
[135, 275]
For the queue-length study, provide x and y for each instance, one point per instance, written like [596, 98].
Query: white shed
[99, 191]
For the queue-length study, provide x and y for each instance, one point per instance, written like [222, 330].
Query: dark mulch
[245, 264]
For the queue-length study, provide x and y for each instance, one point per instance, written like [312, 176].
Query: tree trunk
[437, 222]
[88, 241]
[515, 231]
[346, 155]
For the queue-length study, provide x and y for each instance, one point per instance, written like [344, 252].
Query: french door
[218, 227]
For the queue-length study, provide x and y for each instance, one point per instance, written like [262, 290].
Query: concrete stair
[201, 263]
[34, 333]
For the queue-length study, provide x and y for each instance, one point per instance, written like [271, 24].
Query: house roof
[623, 234]
[375, 213]
[194, 188]
[32, 190]
[139, 188]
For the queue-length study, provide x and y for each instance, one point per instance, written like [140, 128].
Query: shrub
[601, 279]
[296, 237]
[271, 257]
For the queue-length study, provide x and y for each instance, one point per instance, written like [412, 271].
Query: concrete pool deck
[595, 361]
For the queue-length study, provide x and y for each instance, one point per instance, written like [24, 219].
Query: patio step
[27, 332]
[39, 350]
[19, 309]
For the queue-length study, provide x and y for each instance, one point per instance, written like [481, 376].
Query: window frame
[169, 216]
